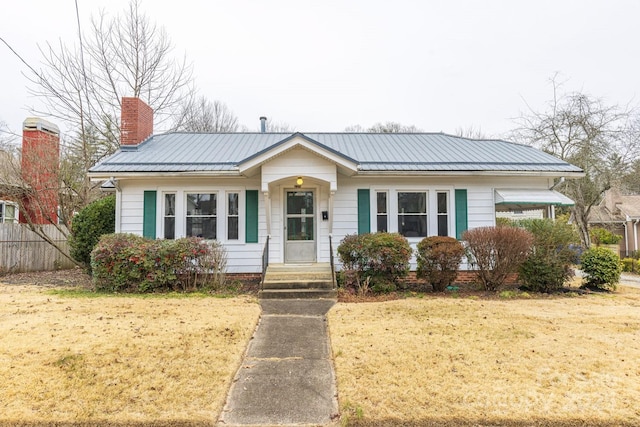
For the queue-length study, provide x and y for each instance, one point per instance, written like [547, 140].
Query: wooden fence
[21, 250]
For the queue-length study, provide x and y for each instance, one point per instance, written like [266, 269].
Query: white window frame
[241, 216]
[375, 209]
[448, 214]
[3, 212]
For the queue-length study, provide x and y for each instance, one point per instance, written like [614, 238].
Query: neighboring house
[31, 179]
[301, 188]
[619, 214]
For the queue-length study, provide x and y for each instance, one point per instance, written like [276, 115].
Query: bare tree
[202, 115]
[387, 127]
[279, 126]
[470, 132]
[587, 133]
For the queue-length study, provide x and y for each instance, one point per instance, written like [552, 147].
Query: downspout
[635, 234]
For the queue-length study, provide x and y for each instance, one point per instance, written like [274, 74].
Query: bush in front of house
[130, 263]
[438, 259]
[602, 236]
[629, 265]
[374, 260]
[548, 266]
[496, 252]
[95, 220]
[602, 268]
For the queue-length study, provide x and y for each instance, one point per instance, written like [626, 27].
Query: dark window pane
[412, 225]
[201, 204]
[297, 229]
[442, 203]
[233, 204]
[382, 223]
[169, 227]
[232, 228]
[169, 204]
[300, 202]
[201, 227]
[382, 203]
[412, 202]
[443, 225]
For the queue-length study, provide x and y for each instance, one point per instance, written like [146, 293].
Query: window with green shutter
[364, 211]
[149, 215]
[251, 216]
[461, 213]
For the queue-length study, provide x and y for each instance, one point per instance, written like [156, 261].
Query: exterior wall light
[299, 181]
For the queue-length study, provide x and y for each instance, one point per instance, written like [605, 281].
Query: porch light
[299, 181]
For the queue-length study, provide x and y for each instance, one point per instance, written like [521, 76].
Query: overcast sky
[325, 65]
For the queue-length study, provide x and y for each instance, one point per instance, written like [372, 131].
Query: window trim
[426, 214]
[185, 215]
[164, 215]
[3, 211]
[448, 214]
[387, 207]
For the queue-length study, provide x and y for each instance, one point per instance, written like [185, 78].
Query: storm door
[299, 227]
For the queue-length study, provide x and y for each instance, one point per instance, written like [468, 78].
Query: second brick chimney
[136, 121]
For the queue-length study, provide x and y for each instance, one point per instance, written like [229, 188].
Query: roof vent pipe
[263, 124]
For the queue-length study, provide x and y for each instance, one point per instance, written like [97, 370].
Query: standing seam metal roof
[177, 152]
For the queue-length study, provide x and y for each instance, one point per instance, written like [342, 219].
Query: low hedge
[130, 263]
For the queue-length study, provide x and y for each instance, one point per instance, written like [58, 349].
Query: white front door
[299, 227]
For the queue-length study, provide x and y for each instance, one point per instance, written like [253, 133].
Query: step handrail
[333, 267]
[265, 261]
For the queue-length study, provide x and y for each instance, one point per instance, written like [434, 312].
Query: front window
[232, 216]
[169, 216]
[443, 214]
[381, 213]
[201, 215]
[412, 214]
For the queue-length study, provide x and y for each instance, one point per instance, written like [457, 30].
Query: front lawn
[126, 360]
[467, 361]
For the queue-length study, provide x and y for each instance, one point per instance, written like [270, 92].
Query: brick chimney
[39, 168]
[136, 121]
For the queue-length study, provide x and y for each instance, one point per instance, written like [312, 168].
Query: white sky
[324, 65]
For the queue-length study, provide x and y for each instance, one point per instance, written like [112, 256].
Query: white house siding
[242, 257]
[317, 174]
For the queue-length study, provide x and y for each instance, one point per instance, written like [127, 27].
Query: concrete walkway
[287, 375]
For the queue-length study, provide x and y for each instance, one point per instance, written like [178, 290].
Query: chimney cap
[37, 123]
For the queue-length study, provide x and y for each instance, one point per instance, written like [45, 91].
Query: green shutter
[364, 211]
[461, 213]
[251, 216]
[149, 215]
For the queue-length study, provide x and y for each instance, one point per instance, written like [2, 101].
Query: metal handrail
[265, 261]
[333, 267]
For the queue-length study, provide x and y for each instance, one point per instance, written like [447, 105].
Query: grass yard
[118, 360]
[447, 361]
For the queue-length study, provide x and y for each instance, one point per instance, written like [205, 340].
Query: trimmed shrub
[496, 252]
[628, 265]
[438, 261]
[548, 266]
[602, 268]
[95, 220]
[130, 263]
[602, 236]
[374, 261]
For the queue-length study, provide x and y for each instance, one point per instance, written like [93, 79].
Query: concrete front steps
[290, 281]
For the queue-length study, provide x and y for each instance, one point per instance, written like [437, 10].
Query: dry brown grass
[447, 361]
[111, 360]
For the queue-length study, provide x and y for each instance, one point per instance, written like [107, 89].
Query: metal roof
[386, 152]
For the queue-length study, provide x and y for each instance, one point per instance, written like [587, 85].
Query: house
[620, 214]
[30, 181]
[295, 194]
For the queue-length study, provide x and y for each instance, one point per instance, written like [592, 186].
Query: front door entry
[299, 227]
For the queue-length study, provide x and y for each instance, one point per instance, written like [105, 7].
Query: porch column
[267, 208]
[331, 193]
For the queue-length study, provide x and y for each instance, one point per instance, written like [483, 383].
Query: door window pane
[300, 228]
[299, 202]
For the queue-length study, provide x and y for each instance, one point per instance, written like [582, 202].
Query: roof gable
[297, 140]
